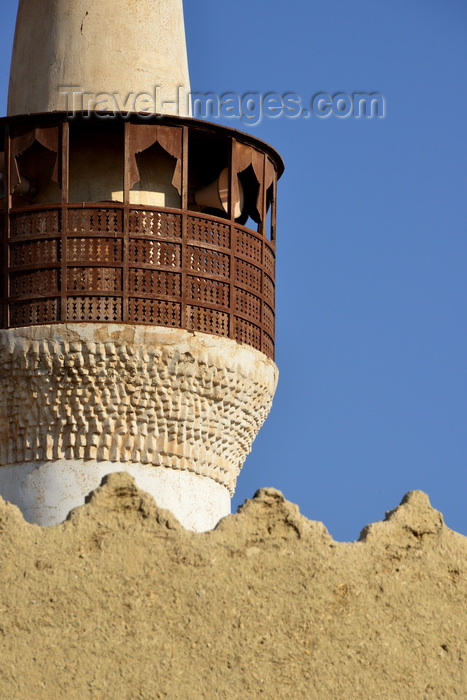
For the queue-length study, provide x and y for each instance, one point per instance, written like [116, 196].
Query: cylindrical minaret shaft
[101, 47]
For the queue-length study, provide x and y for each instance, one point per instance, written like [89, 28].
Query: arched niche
[257, 176]
[34, 174]
[155, 165]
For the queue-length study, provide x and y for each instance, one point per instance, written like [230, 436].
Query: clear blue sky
[371, 247]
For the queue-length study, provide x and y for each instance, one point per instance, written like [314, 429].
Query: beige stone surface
[121, 603]
[132, 394]
[101, 46]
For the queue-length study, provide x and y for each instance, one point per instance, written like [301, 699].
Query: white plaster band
[47, 491]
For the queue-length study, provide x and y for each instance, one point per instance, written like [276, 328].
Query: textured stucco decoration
[101, 46]
[143, 397]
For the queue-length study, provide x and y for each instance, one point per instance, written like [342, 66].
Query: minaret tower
[137, 268]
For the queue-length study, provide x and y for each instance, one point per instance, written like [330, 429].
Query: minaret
[137, 275]
[105, 46]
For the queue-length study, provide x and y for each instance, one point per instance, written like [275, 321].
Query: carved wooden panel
[269, 261]
[155, 312]
[147, 252]
[248, 275]
[41, 252]
[41, 223]
[208, 261]
[247, 304]
[32, 313]
[175, 270]
[35, 283]
[249, 246]
[207, 320]
[154, 223]
[94, 309]
[246, 332]
[154, 283]
[202, 290]
[95, 221]
[95, 279]
[268, 320]
[268, 345]
[96, 250]
[208, 231]
[269, 291]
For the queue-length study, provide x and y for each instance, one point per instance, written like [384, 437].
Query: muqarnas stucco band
[164, 398]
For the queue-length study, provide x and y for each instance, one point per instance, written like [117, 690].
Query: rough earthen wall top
[121, 602]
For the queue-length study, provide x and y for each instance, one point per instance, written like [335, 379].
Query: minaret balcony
[161, 221]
